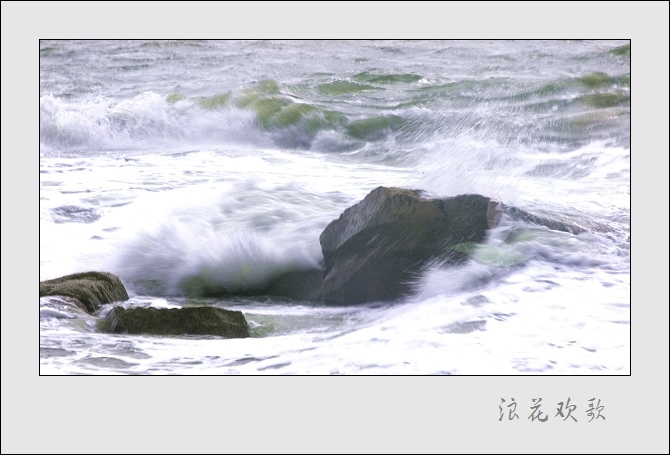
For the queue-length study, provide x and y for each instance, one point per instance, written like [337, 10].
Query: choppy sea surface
[223, 161]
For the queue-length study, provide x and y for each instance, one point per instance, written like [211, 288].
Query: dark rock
[293, 284]
[178, 321]
[298, 285]
[87, 290]
[378, 247]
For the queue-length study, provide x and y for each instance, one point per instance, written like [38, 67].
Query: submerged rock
[298, 285]
[553, 224]
[87, 290]
[293, 284]
[178, 321]
[378, 247]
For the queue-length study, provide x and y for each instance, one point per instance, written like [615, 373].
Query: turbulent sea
[166, 162]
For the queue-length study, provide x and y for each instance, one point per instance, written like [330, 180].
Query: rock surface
[178, 321]
[87, 290]
[293, 284]
[298, 285]
[376, 248]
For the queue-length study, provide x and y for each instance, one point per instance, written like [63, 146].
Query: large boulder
[378, 247]
[178, 321]
[87, 290]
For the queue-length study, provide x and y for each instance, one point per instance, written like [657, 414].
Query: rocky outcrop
[178, 321]
[87, 290]
[378, 247]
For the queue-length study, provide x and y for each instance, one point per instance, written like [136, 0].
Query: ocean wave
[148, 121]
[570, 111]
[236, 241]
[175, 260]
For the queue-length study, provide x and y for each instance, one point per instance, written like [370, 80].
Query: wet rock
[298, 285]
[178, 321]
[378, 247]
[87, 290]
[293, 284]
